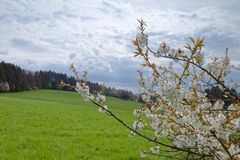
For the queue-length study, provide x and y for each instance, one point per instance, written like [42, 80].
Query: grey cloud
[57, 67]
[72, 56]
[124, 72]
[28, 46]
[64, 12]
[54, 42]
[60, 14]
[30, 62]
[110, 8]
[188, 16]
[5, 52]
[87, 18]
[22, 19]
[26, 19]
[220, 42]
[96, 51]
[155, 33]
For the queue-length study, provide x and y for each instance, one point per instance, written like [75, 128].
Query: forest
[14, 79]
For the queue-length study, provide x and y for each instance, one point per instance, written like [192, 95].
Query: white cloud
[97, 34]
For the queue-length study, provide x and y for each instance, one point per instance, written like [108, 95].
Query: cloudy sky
[96, 35]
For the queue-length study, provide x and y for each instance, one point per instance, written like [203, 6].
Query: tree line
[15, 79]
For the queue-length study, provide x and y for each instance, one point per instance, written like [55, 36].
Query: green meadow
[47, 124]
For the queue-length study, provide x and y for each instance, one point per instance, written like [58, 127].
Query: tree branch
[146, 137]
[200, 67]
[222, 144]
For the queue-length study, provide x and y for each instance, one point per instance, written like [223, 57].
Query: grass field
[47, 124]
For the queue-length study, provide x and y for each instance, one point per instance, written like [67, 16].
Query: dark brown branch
[222, 110]
[214, 153]
[144, 136]
[167, 156]
[222, 144]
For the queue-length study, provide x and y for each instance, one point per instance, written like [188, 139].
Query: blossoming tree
[175, 104]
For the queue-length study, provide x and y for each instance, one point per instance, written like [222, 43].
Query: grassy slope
[48, 124]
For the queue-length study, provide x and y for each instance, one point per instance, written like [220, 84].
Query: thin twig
[203, 69]
[224, 147]
[144, 136]
[167, 156]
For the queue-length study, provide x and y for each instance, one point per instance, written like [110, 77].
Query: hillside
[47, 124]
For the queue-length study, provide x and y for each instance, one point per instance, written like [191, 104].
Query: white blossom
[143, 154]
[142, 39]
[136, 112]
[220, 67]
[103, 110]
[100, 98]
[138, 125]
[83, 89]
[162, 50]
[155, 150]
[145, 97]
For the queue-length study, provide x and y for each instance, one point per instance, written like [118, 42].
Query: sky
[96, 35]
